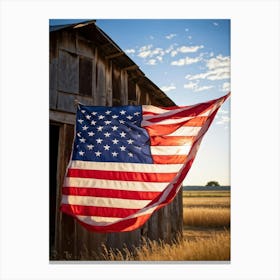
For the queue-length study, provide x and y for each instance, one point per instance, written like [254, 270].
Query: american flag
[129, 161]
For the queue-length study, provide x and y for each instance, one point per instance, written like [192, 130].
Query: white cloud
[217, 62]
[186, 61]
[195, 87]
[190, 85]
[168, 88]
[173, 53]
[152, 62]
[128, 51]
[190, 37]
[218, 69]
[149, 52]
[223, 120]
[226, 86]
[202, 88]
[215, 23]
[170, 36]
[186, 49]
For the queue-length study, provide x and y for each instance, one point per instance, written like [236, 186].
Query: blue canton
[111, 134]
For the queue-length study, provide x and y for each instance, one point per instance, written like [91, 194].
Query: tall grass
[216, 247]
[206, 217]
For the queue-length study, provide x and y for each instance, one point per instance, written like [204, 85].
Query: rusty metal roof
[112, 51]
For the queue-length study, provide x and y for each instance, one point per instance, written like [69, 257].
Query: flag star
[122, 134]
[129, 117]
[122, 112]
[122, 148]
[88, 117]
[114, 128]
[137, 113]
[107, 134]
[90, 146]
[100, 128]
[115, 141]
[115, 117]
[122, 121]
[85, 127]
[108, 112]
[94, 113]
[93, 122]
[98, 154]
[81, 153]
[79, 134]
[99, 140]
[82, 140]
[83, 111]
[130, 141]
[91, 133]
[101, 117]
[80, 121]
[107, 122]
[106, 147]
[114, 154]
[130, 154]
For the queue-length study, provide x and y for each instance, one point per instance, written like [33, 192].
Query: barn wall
[79, 71]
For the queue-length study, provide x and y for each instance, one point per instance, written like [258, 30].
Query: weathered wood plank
[109, 90]
[67, 41]
[68, 72]
[62, 117]
[124, 88]
[65, 223]
[101, 85]
[85, 47]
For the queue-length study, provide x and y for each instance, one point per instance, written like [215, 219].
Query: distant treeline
[208, 188]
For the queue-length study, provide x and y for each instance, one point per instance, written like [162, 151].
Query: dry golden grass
[215, 247]
[206, 233]
[206, 217]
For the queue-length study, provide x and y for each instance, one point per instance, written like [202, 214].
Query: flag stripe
[169, 150]
[104, 202]
[114, 184]
[122, 166]
[192, 121]
[125, 176]
[126, 194]
[173, 130]
[171, 140]
[97, 211]
[162, 159]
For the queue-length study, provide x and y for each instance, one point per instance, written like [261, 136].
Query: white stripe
[146, 119]
[170, 150]
[126, 167]
[186, 131]
[154, 109]
[114, 185]
[98, 221]
[104, 202]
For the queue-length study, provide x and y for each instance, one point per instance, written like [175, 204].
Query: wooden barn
[88, 66]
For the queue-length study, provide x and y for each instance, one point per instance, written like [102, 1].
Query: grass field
[206, 233]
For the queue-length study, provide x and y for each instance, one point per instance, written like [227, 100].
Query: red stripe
[162, 159]
[125, 194]
[121, 176]
[97, 211]
[171, 140]
[155, 130]
[185, 112]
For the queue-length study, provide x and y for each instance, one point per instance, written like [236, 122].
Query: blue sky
[190, 61]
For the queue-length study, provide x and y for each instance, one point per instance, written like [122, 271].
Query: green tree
[212, 184]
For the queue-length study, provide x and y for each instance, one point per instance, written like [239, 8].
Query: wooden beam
[114, 55]
[131, 67]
